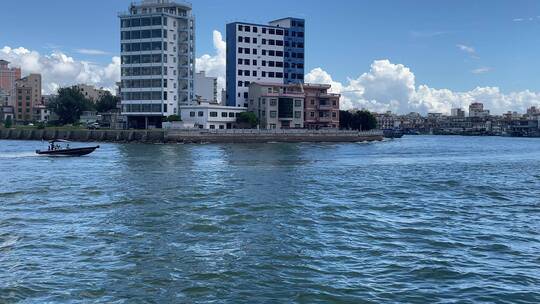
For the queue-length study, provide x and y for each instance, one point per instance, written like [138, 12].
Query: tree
[359, 120]
[107, 102]
[247, 119]
[8, 123]
[345, 118]
[366, 120]
[173, 118]
[69, 105]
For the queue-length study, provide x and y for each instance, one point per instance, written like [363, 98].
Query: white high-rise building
[273, 53]
[158, 61]
[206, 87]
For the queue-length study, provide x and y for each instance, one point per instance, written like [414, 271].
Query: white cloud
[215, 65]
[481, 70]
[58, 69]
[392, 87]
[91, 52]
[467, 49]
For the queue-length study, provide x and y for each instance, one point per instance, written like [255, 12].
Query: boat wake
[18, 155]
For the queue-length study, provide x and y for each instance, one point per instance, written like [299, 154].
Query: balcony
[325, 107]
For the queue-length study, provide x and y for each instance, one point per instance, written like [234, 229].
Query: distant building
[272, 53]
[457, 112]
[4, 98]
[91, 92]
[206, 87]
[476, 109]
[387, 120]
[8, 76]
[28, 97]
[157, 60]
[210, 116]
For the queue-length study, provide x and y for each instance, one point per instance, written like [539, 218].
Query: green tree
[8, 123]
[345, 118]
[247, 119]
[173, 118]
[107, 102]
[69, 105]
[359, 120]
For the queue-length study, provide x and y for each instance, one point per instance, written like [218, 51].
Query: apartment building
[28, 97]
[277, 106]
[157, 61]
[272, 53]
[206, 87]
[8, 76]
[91, 92]
[321, 107]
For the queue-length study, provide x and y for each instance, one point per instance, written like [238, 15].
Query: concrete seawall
[192, 136]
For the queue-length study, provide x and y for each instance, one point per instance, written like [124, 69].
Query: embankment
[192, 136]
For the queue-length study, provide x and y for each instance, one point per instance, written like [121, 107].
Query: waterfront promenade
[194, 136]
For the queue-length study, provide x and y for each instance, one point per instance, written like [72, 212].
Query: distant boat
[55, 149]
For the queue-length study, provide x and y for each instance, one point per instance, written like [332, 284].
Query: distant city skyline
[402, 56]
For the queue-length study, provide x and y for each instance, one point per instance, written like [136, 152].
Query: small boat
[55, 149]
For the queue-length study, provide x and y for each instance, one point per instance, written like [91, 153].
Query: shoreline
[192, 136]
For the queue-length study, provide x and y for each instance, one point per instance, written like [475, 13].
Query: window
[200, 114]
[240, 72]
[247, 51]
[212, 127]
[191, 114]
[231, 114]
[264, 41]
[213, 114]
[224, 114]
[334, 114]
[254, 73]
[254, 51]
[264, 30]
[273, 102]
[273, 114]
[312, 114]
[254, 62]
[272, 31]
[297, 103]
[240, 39]
[297, 114]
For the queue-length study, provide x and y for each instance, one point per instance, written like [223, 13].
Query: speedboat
[55, 149]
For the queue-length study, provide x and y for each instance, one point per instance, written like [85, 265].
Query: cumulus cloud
[392, 87]
[58, 69]
[214, 65]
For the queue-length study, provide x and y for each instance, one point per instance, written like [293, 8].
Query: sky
[408, 55]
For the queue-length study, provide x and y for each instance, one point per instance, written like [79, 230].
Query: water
[415, 220]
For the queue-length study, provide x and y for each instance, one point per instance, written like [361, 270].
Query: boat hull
[69, 152]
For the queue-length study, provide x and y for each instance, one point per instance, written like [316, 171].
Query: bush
[8, 123]
[173, 118]
[247, 118]
[40, 126]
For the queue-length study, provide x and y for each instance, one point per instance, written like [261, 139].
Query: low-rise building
[321, 107]
[277, 106]
[210, 116]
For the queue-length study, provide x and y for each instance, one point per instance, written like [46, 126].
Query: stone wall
[191, 136]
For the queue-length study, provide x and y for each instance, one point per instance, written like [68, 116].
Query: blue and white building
[273, 53]
[158, 61]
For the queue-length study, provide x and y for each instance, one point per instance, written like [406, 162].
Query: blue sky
[456, 45]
